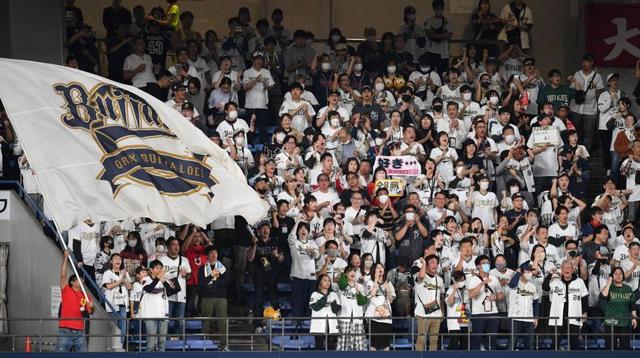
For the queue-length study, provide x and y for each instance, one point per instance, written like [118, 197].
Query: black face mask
[573, 253]
[485, 84]
[406, 98]
[604, 261]
[261, 191]
[437, 107]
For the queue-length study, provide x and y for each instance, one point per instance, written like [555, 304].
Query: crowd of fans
[496, 228]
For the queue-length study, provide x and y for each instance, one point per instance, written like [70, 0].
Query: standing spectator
[298, 57]
[178, 270]
[154, 306]
[134, 254]
[156, 40]
[324, 304]
[438, 30]
[568, 296]
[280, 32]
[486, 24]
[256, 82]
[607, 108]
[116, 284]
[518, 19]
[523, 304]
[212, 284]
[458, 310]
[555, 93]
[353, 301]
[84, 240]
[266, 259]
[138, 67]
[631, 266]
[584, 115]
[138, 27]
[429, 294]
[82, 47]
[304, 252]
[630, 169]
[619, 304]
[409, 233]
[114, 16]
[118, 49]
[72, 17]
[74, 307]
[202, 68]
[484, 292]
[381, 294]
[194, 248]
[103, 257]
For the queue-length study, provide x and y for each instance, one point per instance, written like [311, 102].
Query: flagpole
[57, 232]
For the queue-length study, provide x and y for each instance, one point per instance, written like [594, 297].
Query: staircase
[598, 176]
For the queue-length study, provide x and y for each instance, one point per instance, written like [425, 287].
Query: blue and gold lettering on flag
[111, 115]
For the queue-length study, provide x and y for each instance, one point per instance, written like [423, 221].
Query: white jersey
[173, 266]
[479, 304]
[88, 237]
[632, 282]
[558, 295]
[447, 94]
[521, 301]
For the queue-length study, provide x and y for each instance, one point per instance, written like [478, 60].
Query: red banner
[613, 33]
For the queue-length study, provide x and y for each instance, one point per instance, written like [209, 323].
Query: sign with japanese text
[613, 33]
[395, 187]
[544, 135]
[406, 165]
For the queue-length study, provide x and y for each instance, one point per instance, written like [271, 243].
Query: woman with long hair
[381, 294]
[134, 254]
[324, 304]
[116, 285]
[293, 196]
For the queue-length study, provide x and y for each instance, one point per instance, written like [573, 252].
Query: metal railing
[294, 334]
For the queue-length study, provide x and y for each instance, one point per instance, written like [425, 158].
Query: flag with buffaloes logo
[106, 151]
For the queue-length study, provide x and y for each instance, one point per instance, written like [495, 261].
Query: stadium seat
[201, 345]
[401, 344]
[176, 345]
[294, 342]
[193, 325]
[284, 287]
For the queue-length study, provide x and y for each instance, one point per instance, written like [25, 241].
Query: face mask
[379, 141]
[332, 252]
[484, 185]
[326, 66]
[280, 137]
[409, 216]
[459, 170]
[379, 86]
[485, 84]
[493, 100]
[604, 261]
[437, 107]
[357, 67]
[501, 267]
[110, 245]
[466, 96]
[335, 122]
[514, 189]
[509, 138]
[368, 264]
[335, 38]
[528, 275]
[261, 191]
[573, 253]
[425, 68]
[406, 98]
[383, 199]
[486, 268]
[160, 248]
[461, 284]
[391, 69]
[232, 115]
[132, 243]
[240, 141]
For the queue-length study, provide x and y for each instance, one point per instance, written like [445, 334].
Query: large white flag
[106, 151]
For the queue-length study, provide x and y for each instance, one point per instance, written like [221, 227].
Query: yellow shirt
[174, 13]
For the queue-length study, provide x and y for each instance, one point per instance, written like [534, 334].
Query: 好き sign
[406, 165]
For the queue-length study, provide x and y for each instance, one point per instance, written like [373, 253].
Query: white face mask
[484, 185]
[280, 137]
[509, 138]
[232, 115]
[466, 96]
[335, 38]
[410, 216]
[528, 275]
[240, 141]
[357, 67]
[391, 69]
[326, 66]
[461, 284]
[368, 264]
[160, 248]
[514, 189]
[379, 86]
[379, 141]
[132, 243]
[425, 68]
[335, 122]
[383, 198]
[493, 100]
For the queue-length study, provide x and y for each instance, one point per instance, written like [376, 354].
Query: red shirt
[72, 306]
[196, 257]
